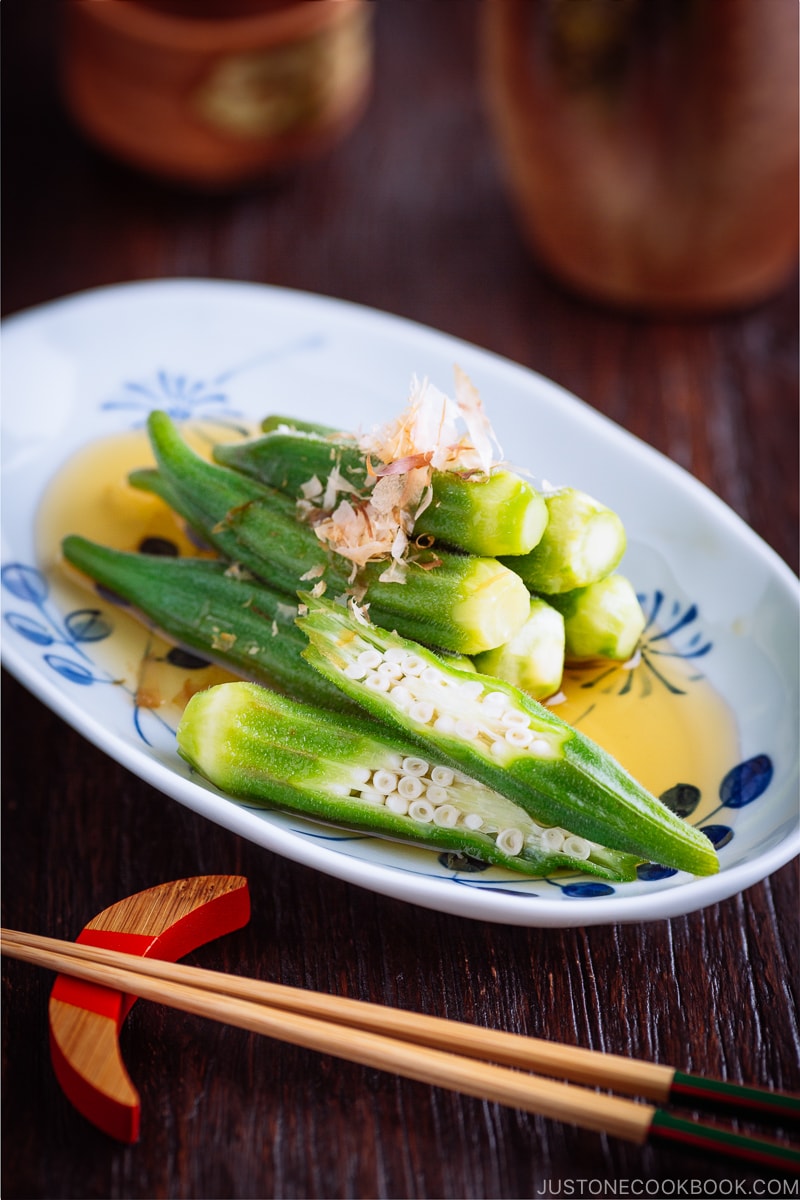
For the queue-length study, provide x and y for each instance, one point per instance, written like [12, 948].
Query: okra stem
[502, 737]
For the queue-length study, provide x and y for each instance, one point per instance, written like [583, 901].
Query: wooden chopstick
[327, 1024]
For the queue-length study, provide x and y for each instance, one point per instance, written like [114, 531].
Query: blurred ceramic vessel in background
[651, 146]
[216, 92]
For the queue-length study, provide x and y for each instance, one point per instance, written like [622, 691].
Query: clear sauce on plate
[661, 718]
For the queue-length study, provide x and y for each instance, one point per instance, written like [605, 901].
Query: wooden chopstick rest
[166, 922]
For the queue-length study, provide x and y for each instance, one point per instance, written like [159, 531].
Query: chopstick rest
[164, 922]
[350, 1030]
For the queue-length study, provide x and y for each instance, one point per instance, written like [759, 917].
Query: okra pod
[501, 737]
[495, 514]
[582, 541]
[534, 658]
[267, 750]
[460, 602]
[602, 620]
[207, 606]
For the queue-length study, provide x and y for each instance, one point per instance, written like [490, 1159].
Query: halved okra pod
[500, 513]
[203, 605]
[500, 736]
[267, 750]
[462, 602]
[583, 541]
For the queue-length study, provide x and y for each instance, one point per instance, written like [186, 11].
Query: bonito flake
[434, 433]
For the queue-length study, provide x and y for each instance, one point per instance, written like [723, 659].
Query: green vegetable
[268, 750]
[583, 541]
[207, 606]
[603, 620]
[496, 514]
[502, 737]
[462, 603]
[533, 660]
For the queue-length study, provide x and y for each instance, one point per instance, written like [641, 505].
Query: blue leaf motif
[28, 628]
[26, 583]
[87, 625]
[653, 871]
[718, 835]
[746, 782]
[71, 671]
[590, 889]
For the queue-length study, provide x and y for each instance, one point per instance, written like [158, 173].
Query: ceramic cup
[651, 145]
[215, 92]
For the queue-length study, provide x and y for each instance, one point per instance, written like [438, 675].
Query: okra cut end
[583, 541]
[493, 606]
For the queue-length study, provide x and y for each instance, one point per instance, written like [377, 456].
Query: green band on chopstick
[766, 1153]
[751, 1101]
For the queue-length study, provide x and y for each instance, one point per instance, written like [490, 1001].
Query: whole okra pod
[267, 750]
[500, 736]
[461, 602]
[499, 513]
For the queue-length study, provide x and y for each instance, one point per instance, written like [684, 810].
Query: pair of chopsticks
[444, 1053]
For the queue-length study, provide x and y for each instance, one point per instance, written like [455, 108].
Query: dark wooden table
[409, 216]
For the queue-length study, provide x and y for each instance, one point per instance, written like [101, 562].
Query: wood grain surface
[410, 215]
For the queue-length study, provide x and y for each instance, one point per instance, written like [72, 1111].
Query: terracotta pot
[651, 145]
[215, 92]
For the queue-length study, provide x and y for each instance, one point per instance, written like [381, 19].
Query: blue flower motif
[181, 396]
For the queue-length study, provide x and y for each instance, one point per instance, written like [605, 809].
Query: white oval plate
[94, 364]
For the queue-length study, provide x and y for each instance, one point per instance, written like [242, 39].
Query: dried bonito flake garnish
[434, 433]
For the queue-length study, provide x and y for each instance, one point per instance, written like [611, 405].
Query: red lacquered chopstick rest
[164, 922]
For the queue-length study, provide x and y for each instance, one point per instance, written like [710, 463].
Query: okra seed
[498, 700]
[414, 665]
[442, 775]
[371, 795]
[355, 671]
[369, 659]
[540, 747]
[499, 747]
[471, 689]
[385, 782]
[473, 821]
[446, 816]
[578, 847]
[510, 841]
[377, 683]
[468, 730]
[397, 804]
[420, 810]
[444, 724]
[436, 794]
[338, 789]
[515, 717]
[361, 774]
[392, 670]
[519, 737]
[553, 839]
[396, 654]
[421, 711]
[414, 766]
[411, 787]
[401, 697]
[431, 675]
